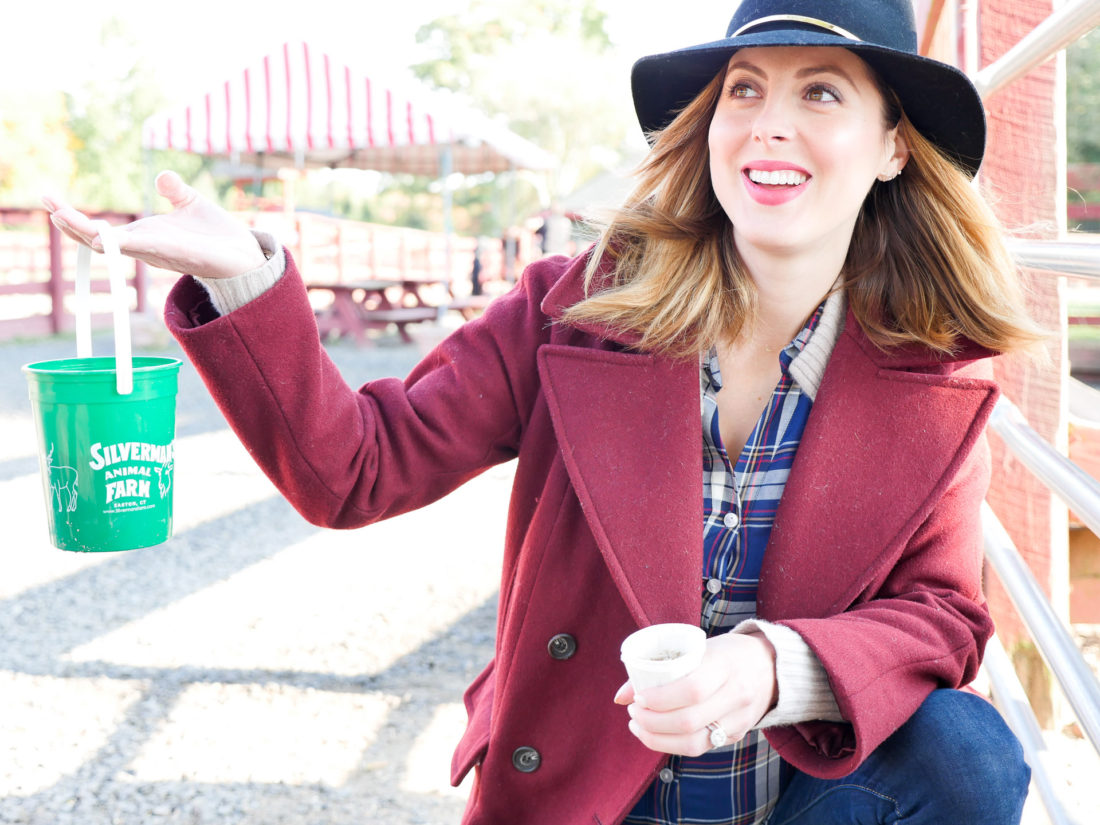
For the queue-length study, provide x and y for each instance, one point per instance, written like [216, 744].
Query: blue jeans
[955, 762]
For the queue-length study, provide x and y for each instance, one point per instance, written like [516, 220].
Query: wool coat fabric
[874, 559]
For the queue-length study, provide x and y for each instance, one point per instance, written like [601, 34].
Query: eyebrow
[808, 71]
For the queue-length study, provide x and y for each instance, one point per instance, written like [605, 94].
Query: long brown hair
[926, 264]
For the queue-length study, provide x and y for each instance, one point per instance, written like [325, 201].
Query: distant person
[756, 404]
[475, 269]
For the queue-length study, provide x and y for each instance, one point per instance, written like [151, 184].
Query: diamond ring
[718, 736]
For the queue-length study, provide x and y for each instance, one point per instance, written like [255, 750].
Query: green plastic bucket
[107, 459]
[106, 429]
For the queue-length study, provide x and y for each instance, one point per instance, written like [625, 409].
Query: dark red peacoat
[874, 559]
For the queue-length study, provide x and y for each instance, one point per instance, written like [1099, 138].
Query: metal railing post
[1073, 485]
[1055, 644]
[1065, 25]
[1011, 699]
[1063, 257]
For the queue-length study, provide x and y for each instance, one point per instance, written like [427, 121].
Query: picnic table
[359, 306]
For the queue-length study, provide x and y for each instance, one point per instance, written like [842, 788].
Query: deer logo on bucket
[63, 484]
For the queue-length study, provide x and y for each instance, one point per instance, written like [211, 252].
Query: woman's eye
[741, 90]
[822, 94]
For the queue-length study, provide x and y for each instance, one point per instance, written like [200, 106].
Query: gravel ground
[256, 670]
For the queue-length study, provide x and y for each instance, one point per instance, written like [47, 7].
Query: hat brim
[938, 99]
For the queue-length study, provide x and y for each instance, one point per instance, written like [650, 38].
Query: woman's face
[796, 142]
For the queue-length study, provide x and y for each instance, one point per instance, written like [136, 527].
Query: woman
[803, 274]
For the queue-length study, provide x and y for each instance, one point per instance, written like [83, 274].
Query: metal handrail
[1061, 28]
[1073, 485]
[1065, 257]
[1012, 700]
[1054, 642]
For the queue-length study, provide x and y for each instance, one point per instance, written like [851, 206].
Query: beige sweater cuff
[804, 691]
[228, 294]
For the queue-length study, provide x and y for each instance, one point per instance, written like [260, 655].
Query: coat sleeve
[923, 627]
[345, 458]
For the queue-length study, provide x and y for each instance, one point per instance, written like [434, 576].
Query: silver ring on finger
[718, 736]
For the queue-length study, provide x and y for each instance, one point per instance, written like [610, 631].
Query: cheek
[724, 134]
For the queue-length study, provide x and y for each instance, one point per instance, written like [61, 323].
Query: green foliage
[1083, 99]
[106, 116]
[34, 147]
[547, 68]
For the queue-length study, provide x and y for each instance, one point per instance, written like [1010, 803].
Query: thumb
[171, 186]
[625, 694]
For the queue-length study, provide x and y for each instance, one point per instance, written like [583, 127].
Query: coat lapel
[628, 428]
[880, 447]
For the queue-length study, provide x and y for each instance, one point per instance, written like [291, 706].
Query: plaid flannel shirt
[740, 783]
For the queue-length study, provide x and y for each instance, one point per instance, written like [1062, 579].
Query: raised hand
[196, 238]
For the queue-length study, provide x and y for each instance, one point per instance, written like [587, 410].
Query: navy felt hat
[939, 100]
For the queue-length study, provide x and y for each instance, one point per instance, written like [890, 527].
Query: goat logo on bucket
[129, 468]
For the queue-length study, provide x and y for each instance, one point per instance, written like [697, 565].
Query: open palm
[196, 238]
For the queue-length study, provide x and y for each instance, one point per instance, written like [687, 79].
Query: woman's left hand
[734, 685]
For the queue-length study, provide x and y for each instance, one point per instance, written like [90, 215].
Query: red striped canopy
[299, 106]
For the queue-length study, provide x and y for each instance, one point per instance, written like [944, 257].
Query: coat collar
[887, 435]
[628, 427]
[570, 290]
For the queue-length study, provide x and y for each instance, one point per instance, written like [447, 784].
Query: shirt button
[731, 520]
[714, 586]
[667, 775]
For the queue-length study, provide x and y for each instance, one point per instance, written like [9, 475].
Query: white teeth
[784, 177]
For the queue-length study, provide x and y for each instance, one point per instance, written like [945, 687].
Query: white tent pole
[149, 189]
[510, 217]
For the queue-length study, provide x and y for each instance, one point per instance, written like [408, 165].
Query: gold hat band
[796, 18]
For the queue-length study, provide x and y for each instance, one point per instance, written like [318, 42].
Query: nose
[773, 121]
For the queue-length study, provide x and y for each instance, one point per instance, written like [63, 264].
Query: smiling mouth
[782, 177]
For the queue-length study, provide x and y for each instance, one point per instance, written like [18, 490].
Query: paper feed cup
[662, 653]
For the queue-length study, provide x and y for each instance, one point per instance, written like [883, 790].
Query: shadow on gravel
[79, 608]
[16, 467]
[103, 791]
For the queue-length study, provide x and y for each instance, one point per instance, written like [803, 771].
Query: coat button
[526, 759]
[562, 646]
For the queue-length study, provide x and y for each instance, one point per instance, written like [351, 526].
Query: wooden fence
[37, 263]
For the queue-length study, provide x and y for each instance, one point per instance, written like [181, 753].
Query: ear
[901, 151]
[898, 155]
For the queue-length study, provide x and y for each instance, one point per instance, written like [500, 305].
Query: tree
[34, 147]
[1083, 99]
[548, 68]
[106, 117]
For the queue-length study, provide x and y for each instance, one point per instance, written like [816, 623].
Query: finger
[687, 691]
[171, 186]
[625, 694]
[77, 226]
[681, 722]
[695, 743]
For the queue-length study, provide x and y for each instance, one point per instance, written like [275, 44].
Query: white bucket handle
[124, 371]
